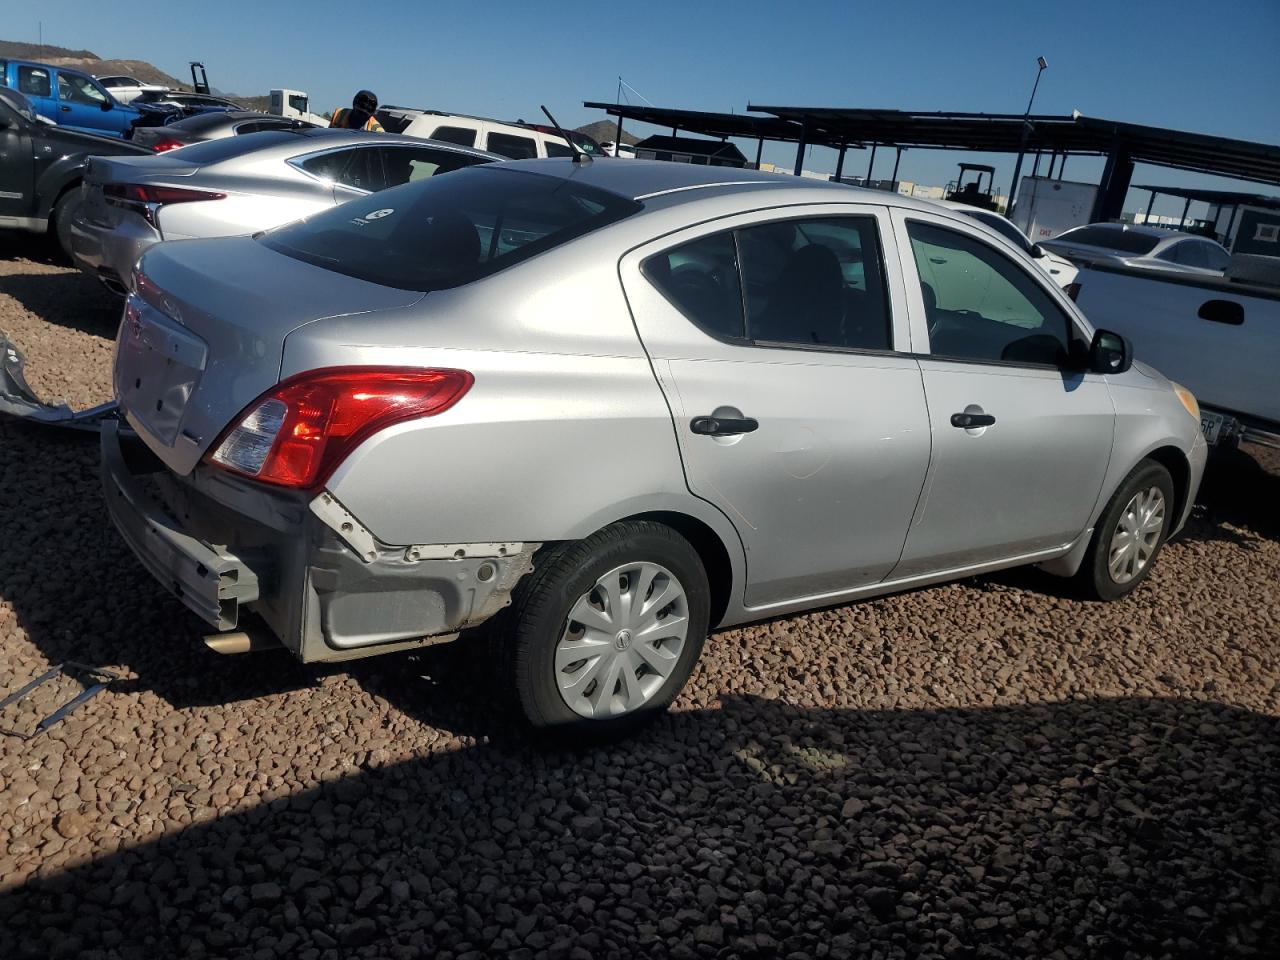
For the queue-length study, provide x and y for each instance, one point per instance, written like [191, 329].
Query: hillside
[32, 51]
[603, 131]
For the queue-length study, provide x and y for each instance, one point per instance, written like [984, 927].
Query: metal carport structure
[1123, 144]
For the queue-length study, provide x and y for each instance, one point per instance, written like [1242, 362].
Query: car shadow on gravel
[1107, 828]
[1240, 489]
[67, 299]
[79, 593]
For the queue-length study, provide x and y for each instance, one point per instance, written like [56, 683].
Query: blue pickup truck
[71, 98]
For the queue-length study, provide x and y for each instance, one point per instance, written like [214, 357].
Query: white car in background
[127, 89]
[515, 141]
[1148, 248]
[1061, 269]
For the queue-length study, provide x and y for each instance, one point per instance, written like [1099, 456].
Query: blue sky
[1212, 68]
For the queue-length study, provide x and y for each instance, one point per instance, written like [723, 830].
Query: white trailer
[1045, 207]
[295, 104]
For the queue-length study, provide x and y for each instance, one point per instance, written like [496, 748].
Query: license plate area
[158, 366]
[1211, 424]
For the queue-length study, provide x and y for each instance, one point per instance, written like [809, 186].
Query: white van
[511, 140]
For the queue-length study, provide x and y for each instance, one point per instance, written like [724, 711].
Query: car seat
[806, 303]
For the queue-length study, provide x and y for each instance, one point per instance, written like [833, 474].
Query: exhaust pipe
[240, 642]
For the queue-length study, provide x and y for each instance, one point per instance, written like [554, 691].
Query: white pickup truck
[1218, 337]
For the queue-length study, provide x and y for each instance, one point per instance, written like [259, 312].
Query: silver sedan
[1149, 248]
[621, 404]
[239, 185]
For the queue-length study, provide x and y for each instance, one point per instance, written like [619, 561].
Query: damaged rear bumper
[223, 545]
[19, 401]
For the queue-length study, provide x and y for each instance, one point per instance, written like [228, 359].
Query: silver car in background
[239, 185]
[212, 126]
[610, 406]
[1150, 248]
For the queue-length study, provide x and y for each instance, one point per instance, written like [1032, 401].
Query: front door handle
[968, 421]
[65, 109]
[723, 426]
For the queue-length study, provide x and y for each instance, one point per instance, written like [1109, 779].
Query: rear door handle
[723, 426]
[967, 421]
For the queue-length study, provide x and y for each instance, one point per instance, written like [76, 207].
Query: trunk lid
[204, 336]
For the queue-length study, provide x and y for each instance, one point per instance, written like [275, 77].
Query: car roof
[672, 183]
[291, 142]
[1142, 230]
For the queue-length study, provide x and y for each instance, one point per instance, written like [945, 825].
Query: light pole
[1022, 137]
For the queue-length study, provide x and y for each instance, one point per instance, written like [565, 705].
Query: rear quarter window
[444, 232]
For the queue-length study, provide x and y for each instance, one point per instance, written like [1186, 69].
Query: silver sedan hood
[206, 334]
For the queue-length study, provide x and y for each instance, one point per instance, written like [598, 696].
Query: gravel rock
[983, 769]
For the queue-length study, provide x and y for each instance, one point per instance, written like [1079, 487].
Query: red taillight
[146, 193]
[161, 146]
[145, 199]
[297, 433]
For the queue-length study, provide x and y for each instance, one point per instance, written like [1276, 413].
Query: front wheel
[1130, 533]
[606, 631]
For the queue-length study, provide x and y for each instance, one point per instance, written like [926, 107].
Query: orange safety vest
[339, 116]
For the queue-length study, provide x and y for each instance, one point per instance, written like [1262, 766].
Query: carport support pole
[1185, 208]
[1226, 239]
[1062, 166]
[894, 179]
[759, 151]
[840, 163]
[1150, 203]
[803, 142]
[617, 137]
[870, 163]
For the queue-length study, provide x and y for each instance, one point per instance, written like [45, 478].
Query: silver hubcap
[621, 640]
[1137, 535]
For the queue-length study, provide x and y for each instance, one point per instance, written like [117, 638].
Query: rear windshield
[215, 151]
[447, 231]
[1112, 238]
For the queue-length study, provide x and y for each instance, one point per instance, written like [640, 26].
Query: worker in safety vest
[360, 115]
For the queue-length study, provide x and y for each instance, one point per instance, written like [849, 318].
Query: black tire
[1095, 577]
[538, 616]
[64, 210]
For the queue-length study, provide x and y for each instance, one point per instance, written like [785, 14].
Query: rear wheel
[606, 631]
[1130, 533]
[64, 211]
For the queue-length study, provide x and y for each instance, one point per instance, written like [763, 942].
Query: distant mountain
[603, 131]
[33, 51]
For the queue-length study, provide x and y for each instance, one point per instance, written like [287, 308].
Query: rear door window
[458, 135]
[702, 281]
[35, 82]
[513, 147]
[443, 232]
[806, 283]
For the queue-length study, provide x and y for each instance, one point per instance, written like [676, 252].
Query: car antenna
[579, 155]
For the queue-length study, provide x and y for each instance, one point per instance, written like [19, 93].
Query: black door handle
[1221, 311]
[723, 426]
[968, 421]
[65, 109]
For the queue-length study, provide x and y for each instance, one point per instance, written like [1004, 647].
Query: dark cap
[365, 100]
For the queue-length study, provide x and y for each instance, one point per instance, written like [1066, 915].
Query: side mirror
[105, 105]
[1110, 353]
[1037, 251]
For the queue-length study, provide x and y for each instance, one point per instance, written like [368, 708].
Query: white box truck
[295, 104]
[1045, 208]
